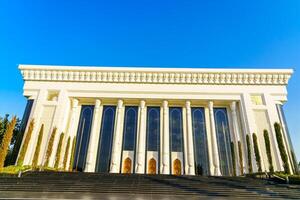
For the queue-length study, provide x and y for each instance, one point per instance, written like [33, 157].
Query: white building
[157, 120]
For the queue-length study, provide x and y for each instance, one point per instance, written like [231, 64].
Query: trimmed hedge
[72, 154]
[6, 140]
[25, 143]
[233, 158]
[58, 151]
[256, 151]
[50, 147]
[38, 147]
[281, 148]
[268, 150]
[67, 153]
[249, 153]
[241, 157]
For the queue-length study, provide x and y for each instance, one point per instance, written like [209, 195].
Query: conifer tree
[50, 147]
[6, 140]
[38, 147]
[67, 153]
[25, 143]
[58, 151]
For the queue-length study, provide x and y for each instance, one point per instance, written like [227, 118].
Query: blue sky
[169, 33]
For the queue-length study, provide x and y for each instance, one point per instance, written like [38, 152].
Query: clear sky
[163, 33]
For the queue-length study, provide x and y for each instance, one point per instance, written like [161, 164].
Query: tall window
[130, 126]
[153, 128]
[175, 124]
[200, 141]
[223, 139]
[105, 139]
[82, 138]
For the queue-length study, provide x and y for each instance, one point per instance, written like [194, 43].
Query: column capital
[165, 104]
[120, 103]
[210, 105]
[142, 103]
[188, 104]
[97, 103]
[74, 103]
[233, 106]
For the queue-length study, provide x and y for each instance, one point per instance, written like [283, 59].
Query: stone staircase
[233, 187]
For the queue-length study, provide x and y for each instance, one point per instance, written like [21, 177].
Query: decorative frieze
[156, 75]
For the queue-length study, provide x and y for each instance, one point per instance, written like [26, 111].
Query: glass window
[105, 139]
[83, 136]
[257, 100]
[130, 126]
[200, 141]
[153, 128]
[223, 140]
[175, 125]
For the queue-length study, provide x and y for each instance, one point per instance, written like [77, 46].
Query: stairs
[62, 182]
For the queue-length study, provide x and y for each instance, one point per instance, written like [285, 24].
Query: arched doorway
[152, 166]
[177, 167]
[127, 166]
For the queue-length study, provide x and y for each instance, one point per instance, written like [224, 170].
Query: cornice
[156, 75]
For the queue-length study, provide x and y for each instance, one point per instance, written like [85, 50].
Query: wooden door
[127, 166]
[152, 166]
[177, 167]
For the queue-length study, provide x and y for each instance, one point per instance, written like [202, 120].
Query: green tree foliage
[72, 154]
[4, 146]
[58, 151]
[25, 143]
[249, 153]
[38, 147]
[67, 153]
[281, 148]
[241, 157]
[256, 152]
[50, 147]
[233, 158]
[268, 150]
[296, 170]
[3, 124]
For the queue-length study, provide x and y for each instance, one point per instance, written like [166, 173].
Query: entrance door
[152, 166]
[177, 167]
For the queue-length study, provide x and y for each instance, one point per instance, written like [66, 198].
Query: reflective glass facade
[82, 138]
[200, 142]
[153, 128]
[130, 128]
[223, 140]
[105, 139]
[176, 130]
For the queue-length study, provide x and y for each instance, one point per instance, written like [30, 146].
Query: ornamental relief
[229, 78]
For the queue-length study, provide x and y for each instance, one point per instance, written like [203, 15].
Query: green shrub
[50, 147]
[25, 143]
[241, 157]
[296, 170]
[38, 147]
[233, 158]
[12, 169]
[268, 150]
[249, 153]
[6, 140]
[256, 152]
[72, 154]
[281, 148]
[58, 151]
[67, 153]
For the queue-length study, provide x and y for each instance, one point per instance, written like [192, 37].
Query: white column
[215, 152]
[140, 169]
[236, 136]
[166, 138]
[71, 130]
[117, 143]
[36, 115]
[94, 138]
[190, 143]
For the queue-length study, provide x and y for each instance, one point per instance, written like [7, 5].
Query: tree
[50, 147]
[72, 154]
[66, 153]
[58, 151]
[10, 159]
[25, 143]
[4, 146]
[233, 158]
[249, 153]
[38, 147]
[281, 148]
[241, 157]
[268, 150]
[3, 124]
[256, 151]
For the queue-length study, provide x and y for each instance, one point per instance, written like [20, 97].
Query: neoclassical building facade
[157, 120]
